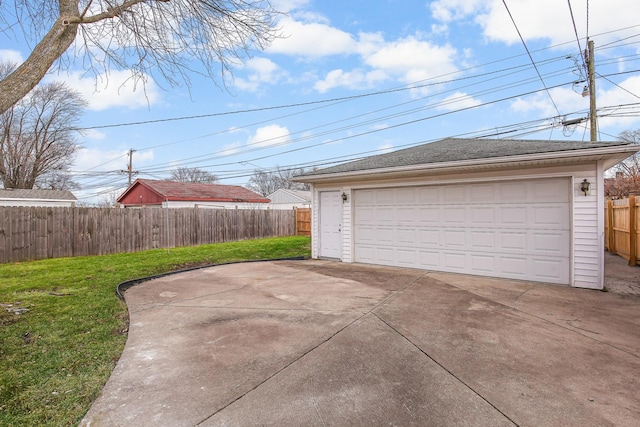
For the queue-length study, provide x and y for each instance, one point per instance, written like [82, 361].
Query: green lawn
[55, 358]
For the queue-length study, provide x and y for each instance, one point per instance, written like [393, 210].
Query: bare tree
[162, 38]
[37, 140]
[627, 172]
[265, 182]
[184, 174]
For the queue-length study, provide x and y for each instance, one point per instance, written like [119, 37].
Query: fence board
[621, 228]
[303, 222]
[28, 233]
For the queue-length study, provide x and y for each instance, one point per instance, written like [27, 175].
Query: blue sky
[355, 78]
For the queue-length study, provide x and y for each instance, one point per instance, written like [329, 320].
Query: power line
[530, 57]
[258, 145]
[575, 30]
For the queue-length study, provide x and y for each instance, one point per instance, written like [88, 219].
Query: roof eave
[612, 156]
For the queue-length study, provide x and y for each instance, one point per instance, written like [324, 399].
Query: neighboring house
[173, 194]
[23, 197]
[503, 208]
[289, 199]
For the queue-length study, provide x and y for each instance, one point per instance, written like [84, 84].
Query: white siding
[315, 227]
[587, 246]
[36, 202]
[347, 226]
[215, 205]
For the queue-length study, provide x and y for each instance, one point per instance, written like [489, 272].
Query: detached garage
[531, 210]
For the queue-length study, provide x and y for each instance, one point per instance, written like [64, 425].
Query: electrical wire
[575, 30]
[530, 57]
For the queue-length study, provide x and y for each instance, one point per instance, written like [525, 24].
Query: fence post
[612, 240]
[632, 230]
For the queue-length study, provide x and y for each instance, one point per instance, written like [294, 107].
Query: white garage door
[512, 229]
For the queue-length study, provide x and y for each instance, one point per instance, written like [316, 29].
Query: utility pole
[593, 120]
[130, 169]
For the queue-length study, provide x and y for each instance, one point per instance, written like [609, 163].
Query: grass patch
[56, 357]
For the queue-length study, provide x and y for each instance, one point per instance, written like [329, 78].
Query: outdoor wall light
[585, 186]
[344, 197]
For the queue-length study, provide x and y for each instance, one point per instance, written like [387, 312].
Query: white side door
[330, 224]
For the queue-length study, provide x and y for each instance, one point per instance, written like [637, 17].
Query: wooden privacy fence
[30, 233]
[303, 222]
[622, 220]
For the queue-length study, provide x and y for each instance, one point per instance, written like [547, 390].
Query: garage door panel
[482, 240]
[429, 215]
[366, 254]
[509, 192]
[385, 235]
[482, 215]
[407, 236]
[482, 192]
[406, 214]
[548, 270]
[453, 216]
[512, 216]
[428, 259]
[365, 197]
[482, 263]
[552, 243]
[406, 257]
[428, 237]
[513, 240]
[513, 267]
[367, 214]
[459, 228]
[385, 197]
[405, 195]
[384, 255]
[550, 190]
[454, 238]
[428, 195]
[385, 215]
[366, 235]
[453, 194]
[454, 261]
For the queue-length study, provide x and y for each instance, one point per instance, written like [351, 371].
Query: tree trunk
[19, 83]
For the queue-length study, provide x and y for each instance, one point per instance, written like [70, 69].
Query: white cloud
[413, 59]
[285, 6]
[567, 101]
[409, 59]
[12, 56]
[539, 19]
[230, 149]
[386, 148]
[261, 71]
[311, 40]
[458, 101]
[116, 89]
[269, 135]
[93, 135]
[450, 10]
[618, 96]
[356, 79]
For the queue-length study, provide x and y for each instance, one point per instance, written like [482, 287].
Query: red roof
[158, 191]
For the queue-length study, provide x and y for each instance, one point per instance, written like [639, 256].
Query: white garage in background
[501, 208]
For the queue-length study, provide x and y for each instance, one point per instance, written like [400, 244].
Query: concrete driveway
[304, 343]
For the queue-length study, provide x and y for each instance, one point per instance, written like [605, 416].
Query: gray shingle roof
[36, 194]
[455, 149]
